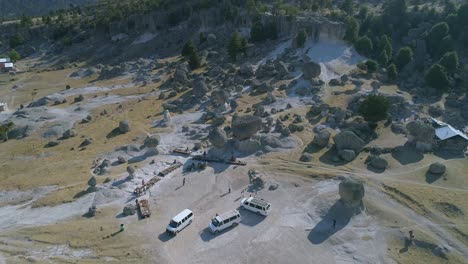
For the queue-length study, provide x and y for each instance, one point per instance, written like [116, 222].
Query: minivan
[179, 222]
[256, 205]
[223, 221]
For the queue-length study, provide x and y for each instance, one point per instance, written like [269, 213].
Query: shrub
[301, 38]
[364, 46]
[450, 62]
[14, 55]
[437, 78]
[404, 56]
[374, 108]
[371, 66]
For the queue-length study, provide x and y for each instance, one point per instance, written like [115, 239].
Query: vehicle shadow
[206, 234]
[250, 218]
[324, 229]
[164, 237]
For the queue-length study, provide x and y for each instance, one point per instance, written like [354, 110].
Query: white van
[179, 222]
[223, 221]
[256, 205]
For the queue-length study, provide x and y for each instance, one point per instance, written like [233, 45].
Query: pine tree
[194, 61]
[234, 45]
[188, 49]
[301, 38]
[437, 78]
[392, 72]
[383, 58]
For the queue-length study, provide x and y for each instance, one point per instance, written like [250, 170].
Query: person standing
[334, 223]
[183, 182]
[229, 190]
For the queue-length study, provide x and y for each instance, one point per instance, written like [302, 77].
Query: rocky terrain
[90, 124]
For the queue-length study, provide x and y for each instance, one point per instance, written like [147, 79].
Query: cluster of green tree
[369, 32]
[314, 5]
[189, 51]
[262, 31]
[236, 45]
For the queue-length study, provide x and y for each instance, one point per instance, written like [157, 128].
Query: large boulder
[377, 162]
[92, 184]
[246, 70]
[347, 154]
[129, 209]
[69, 133]
[348, 140]
[124, 126]
[152, 141]
[421, 131]
[321, 139]
[219, 97]
[199, 87]
[217, 137]
[437, 168]
[244, 127]
[180, 75]
[311, 70]
[351, 193]
[248, 146]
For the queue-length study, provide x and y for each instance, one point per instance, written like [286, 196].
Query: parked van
[256, 205]
[179, 222]
[223, 221]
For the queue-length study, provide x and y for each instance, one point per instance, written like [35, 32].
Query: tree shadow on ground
[406, 155]
[431, 177]
[324, 229]
[250, 218]
[115, 132]
[330, 158]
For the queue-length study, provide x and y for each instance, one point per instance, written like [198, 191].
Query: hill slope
[15, 8]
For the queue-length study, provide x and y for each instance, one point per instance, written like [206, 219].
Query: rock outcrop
[217, 137]
[152, 141]
[311, 70]
[348, 140]
[199, 87]
[437, 168]
[322, 138]
[124, 126]
[351, 193]
[244, 127]
[422, 134]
